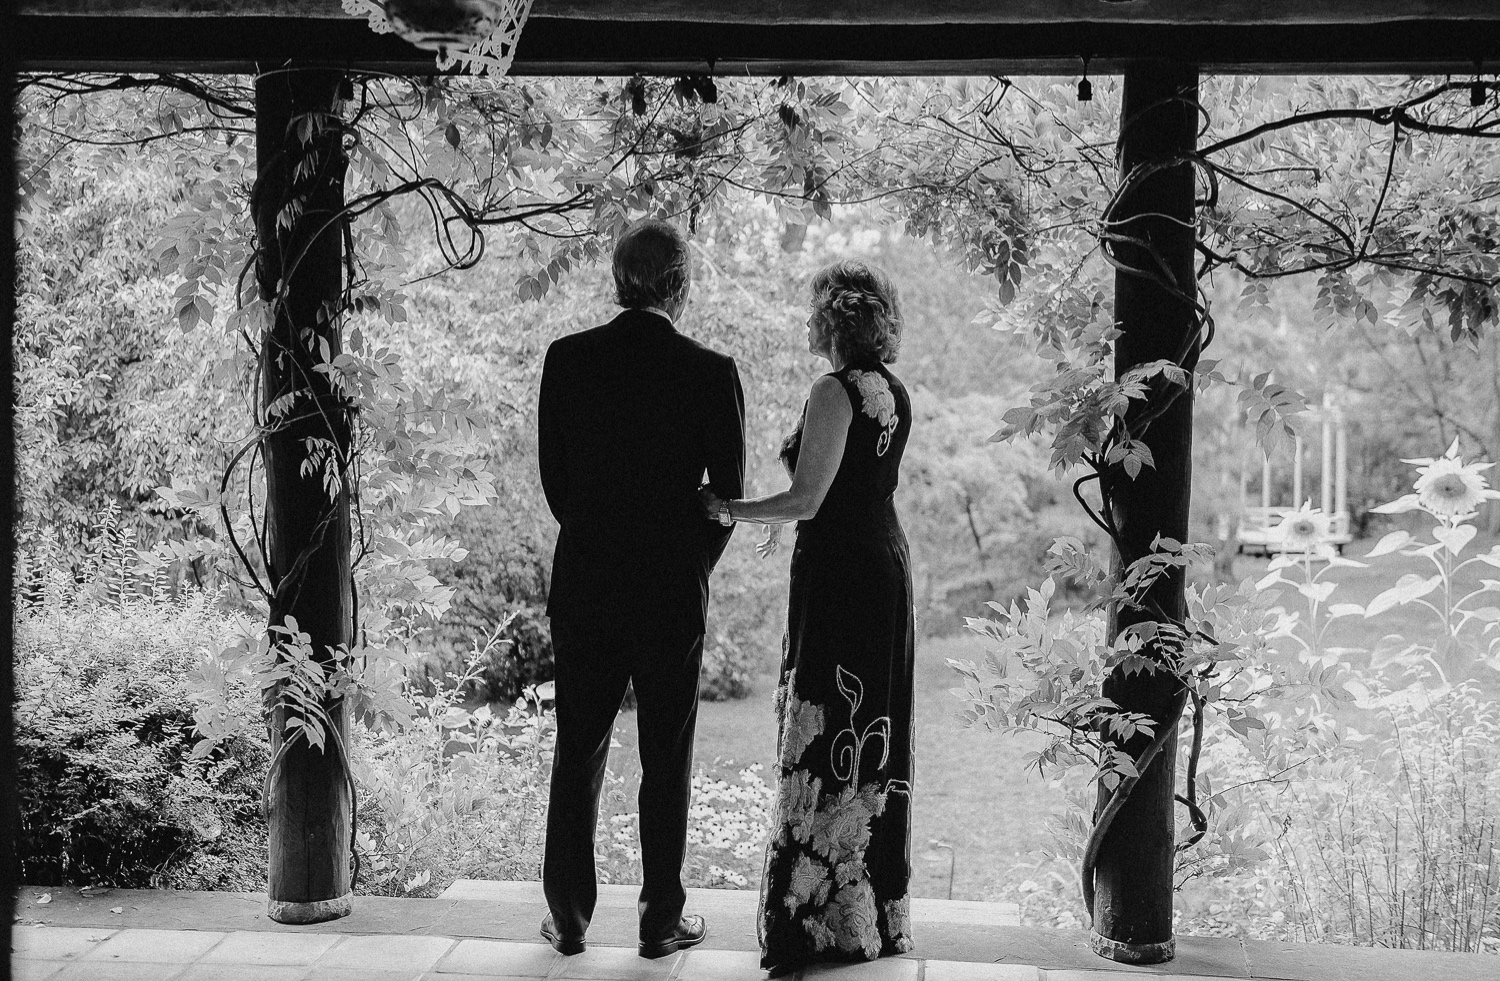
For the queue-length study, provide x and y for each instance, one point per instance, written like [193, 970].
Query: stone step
[60, 924]
[737, 905]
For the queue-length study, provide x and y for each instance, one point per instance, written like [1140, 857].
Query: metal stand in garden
[1257, 534]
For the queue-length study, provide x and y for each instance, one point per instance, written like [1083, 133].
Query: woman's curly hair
[857, 303]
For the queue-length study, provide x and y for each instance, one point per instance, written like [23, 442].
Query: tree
[113, 395]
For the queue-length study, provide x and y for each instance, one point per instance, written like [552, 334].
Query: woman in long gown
[839, 861]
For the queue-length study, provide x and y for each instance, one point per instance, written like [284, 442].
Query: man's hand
[710, 502]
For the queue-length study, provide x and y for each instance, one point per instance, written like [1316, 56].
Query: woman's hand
[766, 547]
[710, 502]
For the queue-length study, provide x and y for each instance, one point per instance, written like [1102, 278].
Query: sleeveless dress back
[839, 863]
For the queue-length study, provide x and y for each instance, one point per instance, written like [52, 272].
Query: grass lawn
[971, 792]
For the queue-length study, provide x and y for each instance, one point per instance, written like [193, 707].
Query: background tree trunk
[300, 188]
[1133, 879]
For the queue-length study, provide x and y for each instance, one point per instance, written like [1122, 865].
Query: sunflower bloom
[1450, 488]
[1302, 530]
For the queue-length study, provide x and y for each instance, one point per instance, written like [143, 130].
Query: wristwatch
[725, 518]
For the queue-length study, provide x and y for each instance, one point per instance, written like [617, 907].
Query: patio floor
[487, 932]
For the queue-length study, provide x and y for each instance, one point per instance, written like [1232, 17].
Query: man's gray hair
[651, 265]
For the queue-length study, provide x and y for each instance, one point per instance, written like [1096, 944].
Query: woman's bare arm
[823, 434]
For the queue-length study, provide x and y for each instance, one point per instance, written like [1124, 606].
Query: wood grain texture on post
[299, 190]
[1159, 123]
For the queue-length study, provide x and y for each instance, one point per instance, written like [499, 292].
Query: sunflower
[1449, 488]
[1302, 530]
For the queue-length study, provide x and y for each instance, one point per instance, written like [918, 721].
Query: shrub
[502, 579]
[746, 615]
[456, 792]
[727, 670]
[1399, 850]
[109, 791]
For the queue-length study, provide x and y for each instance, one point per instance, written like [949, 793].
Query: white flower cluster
[731, 817]
[624, 841]
[716, 874]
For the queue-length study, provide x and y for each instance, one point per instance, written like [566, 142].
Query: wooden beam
[853, 12]
[1155, 312]
[554, 46]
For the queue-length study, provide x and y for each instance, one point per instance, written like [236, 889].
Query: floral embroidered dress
[839, 862]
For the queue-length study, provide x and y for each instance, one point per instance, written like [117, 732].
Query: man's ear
[681, 302]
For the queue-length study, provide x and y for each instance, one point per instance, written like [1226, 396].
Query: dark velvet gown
[839, 862]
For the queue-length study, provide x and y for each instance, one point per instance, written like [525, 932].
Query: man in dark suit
[631, 416]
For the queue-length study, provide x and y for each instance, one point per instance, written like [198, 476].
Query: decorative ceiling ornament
[479, 35]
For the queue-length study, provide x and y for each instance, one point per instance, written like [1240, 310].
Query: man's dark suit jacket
[631, 415]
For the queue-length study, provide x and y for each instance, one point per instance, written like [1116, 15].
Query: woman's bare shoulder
[827, 392]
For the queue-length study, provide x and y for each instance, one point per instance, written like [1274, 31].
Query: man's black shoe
[566, 946]
[689, 933]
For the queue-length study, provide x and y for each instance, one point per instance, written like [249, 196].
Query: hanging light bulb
[444, 25]
[1085, 87]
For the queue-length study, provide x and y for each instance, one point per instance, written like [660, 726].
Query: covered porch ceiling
[797, 37]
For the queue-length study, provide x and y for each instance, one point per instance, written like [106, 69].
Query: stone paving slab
[400, 954]
[122, 971]
[615, 964]
[501, 958]
[154, 946]
[58, 943]
[364, 974]
[260, 947]
[721, 965]
[243, 972]
[960, 971]
[33, 970]
[892, 969]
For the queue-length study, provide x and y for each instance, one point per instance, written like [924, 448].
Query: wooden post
[9, 824]
[1265, 481]
[300, 187]
[1133, 878]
